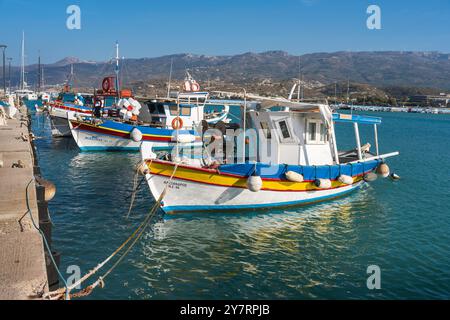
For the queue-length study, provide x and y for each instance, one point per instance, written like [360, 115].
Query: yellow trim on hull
[218, 179]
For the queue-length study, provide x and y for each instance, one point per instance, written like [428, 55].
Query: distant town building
[442, 100]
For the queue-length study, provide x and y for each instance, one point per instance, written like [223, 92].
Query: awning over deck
[342, 117]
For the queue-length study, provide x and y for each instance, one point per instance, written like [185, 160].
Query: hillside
[378, 69]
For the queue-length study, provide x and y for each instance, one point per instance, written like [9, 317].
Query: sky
[151, 28]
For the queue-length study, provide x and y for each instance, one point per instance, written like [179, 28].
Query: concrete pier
[23, 266]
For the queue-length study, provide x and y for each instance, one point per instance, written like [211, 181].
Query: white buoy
[345, 179]
[370, 177]
[294, 176]
[254, 183]
[383, 170]
[136, 135]
[185, 138]
[323, 183]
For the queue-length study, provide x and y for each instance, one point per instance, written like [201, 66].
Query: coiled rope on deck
[134, 237]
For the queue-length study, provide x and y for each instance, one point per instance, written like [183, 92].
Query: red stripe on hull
[124, 135]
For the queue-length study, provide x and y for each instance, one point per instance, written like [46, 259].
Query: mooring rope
[136, 235]
[47, 246]
[135, 185]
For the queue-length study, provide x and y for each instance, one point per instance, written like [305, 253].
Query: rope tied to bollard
[44, 238]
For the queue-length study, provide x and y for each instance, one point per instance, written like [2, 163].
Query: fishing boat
[164, 122]
[59, 109]
[293, 160]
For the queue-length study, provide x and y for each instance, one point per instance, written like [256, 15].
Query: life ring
[195, 87]
[177, 123]
[106, 84]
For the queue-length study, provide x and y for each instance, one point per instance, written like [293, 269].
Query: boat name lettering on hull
[175, 185]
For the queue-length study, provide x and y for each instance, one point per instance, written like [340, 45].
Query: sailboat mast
[22, 70]
[299, 79]
[39, 73]
[117, 68]
[42, 77]
[170, 78]
[71, 80]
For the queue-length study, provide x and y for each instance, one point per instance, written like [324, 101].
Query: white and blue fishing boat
[164, 122]
[293, 160]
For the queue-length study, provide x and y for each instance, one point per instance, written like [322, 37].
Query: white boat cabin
[303, 134]
[292, 137]
[189, 107]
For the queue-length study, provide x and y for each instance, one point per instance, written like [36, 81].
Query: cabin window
[316, 132]
[265, 127]
[323, 133]
[312, 126]
[284, 129]
[173, 110]
[285, 132]
[184, 111]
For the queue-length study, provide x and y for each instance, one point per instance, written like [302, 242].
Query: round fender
[136, 135]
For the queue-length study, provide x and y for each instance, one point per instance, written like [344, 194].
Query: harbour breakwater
[392, 109]
[27, 261]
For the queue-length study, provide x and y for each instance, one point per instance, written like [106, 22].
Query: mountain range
[379, 69]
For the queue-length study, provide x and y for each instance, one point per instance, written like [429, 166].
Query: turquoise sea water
[317, 251]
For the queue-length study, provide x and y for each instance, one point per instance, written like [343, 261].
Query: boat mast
[170, 78]
[71, 77]
[42, 77]
[299, 79]
[117, 69]
[39, 73]
[22, 70]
